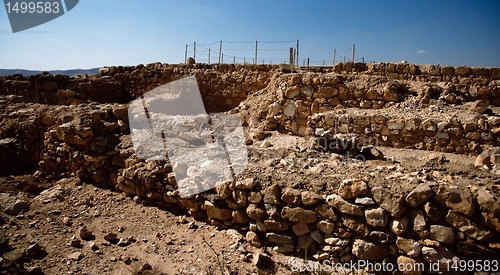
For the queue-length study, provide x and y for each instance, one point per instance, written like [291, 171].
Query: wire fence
[262, 52]
[246, 52]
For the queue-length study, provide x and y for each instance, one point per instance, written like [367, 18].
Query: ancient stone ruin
[303, 195]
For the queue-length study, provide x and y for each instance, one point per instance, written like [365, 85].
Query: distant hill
[4, 72]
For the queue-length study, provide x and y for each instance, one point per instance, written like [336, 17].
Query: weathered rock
[246, 184]
[317, 236]
[52, 194]
[442, 234]
[256, 213]
[490, 221]
[300, 229]
[216, 212]
[33, 249]
[76, 256]
[352, 188]
[408, 247]
[223, 190]
[434, 211]
[325, 226]
[240, 197]
[253, 239]
[292, 92]
[289, 108]
[85, 233]
[310, 198]
[305, 241]
[377, 217]
[272, 194]
[356, 225]
[277, 226]
[337, 241]
[440, 256]
[366, 201]
[419, 224]
[13, 205]
[343, 206]
[298, 214]
[14, 256]
[255, 197]
[280, 239]
[120, 111]
[365, 250]
[399, 226]
[326, 211]
[74, 242]
[110, 237]
[272, 210]
[240, 216]
[261, 260]
[419, 195]
[381, 237]
[455, 198]
[291, 196]
[480, 106]
[190, 204]
[392, 202]
[468, 227]
[123, 242]
[488, 198]
[93, 246]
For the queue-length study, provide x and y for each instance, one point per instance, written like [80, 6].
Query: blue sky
[124, 32]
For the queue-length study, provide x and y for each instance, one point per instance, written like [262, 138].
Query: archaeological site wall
[64, 126]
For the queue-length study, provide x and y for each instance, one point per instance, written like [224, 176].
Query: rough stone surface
[389, 201]
[467, 227]
[399, 226]
[326, 211]
[352, 188]
[419, 224]
[310, 198]
[272, 194]
[455, 198]
[408, 247]
[419, 195]
[356, 225]
[216, 212]
[280, 239]
[440, 256]
[377, 217]
[365, 250]
[443, 234]
[291, 196]
[343, 206]
[298, 214]
[253, 239]
[256, 213]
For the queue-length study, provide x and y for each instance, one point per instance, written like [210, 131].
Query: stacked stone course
[85, 134]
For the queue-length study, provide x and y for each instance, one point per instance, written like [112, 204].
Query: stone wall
[68, 136]
[358, 220]
[385, 111]
[222, 86]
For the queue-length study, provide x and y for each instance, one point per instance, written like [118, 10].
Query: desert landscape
[386, 165]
